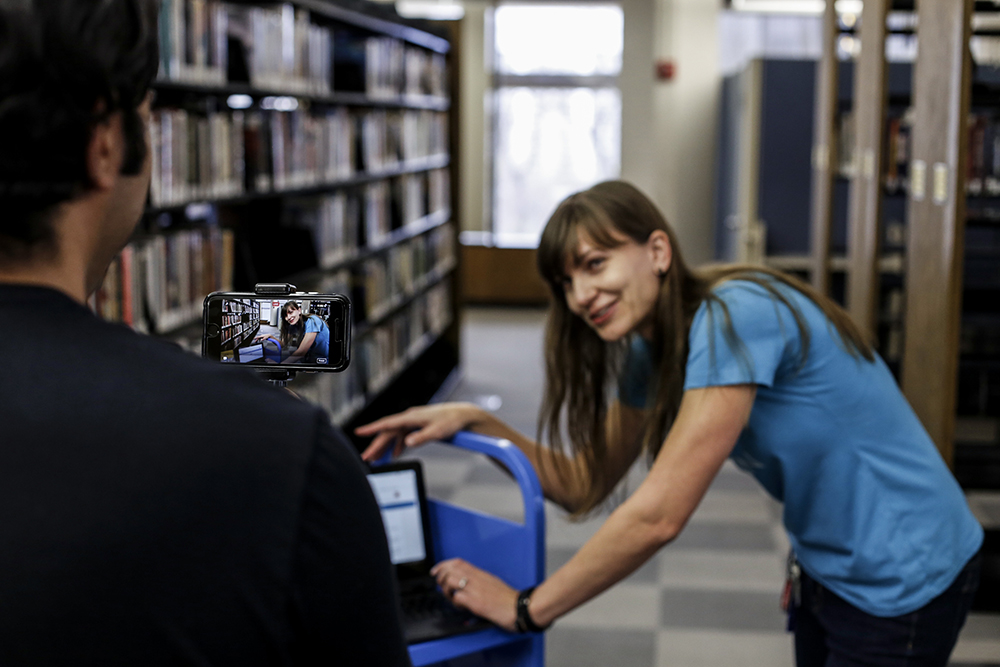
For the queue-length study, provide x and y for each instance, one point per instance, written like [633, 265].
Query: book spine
[127, 306]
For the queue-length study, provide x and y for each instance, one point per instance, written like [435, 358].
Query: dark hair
[291, 334]
[65, 66]
[579, 364]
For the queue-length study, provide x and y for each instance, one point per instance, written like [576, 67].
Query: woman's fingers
[379, 445]
[413, 427]
[476, 590]
[396, 421]
[426, 434]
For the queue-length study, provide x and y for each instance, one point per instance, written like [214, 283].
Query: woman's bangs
[557, 243]
[561, 237]
[600, 229]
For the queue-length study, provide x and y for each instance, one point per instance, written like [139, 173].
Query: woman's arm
[419, 425]
[303, 348]
[427, 423]
[706, 429]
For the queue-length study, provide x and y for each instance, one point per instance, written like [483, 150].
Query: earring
[661, 272]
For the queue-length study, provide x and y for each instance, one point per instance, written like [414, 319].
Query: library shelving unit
[951, 362]
[240, 323]
[860, 173]
[937, 321]
[767, 175]
[307, 142]
[946, 155]
[790, 154]
[953, 299]
[904, 216]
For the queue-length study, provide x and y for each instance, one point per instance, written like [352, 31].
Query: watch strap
[523, 621]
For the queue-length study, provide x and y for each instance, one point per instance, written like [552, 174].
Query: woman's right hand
[416, 426]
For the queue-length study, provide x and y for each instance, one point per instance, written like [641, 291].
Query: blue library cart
[512, 551]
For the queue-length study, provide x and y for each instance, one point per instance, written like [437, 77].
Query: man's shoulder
[161, 373]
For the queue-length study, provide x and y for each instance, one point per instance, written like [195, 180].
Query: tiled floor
[708, 599]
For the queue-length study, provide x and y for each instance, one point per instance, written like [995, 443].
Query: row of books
[383, 280]
[386, 68]
[193, 41]
[387, 349]
[350, 219]
[393, 69]
[390, 205]
[195, 156]
[983, 170]
[238, 334]
[296, 149]
[288, 52]
[381, 354]
[983, 176]
[891, 325]
[240, 321]
[159, 282]
[426, 73]
[896, 159]
[390, 138]
[285, 50]
[199, 156]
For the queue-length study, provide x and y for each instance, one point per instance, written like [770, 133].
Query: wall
[668, 128]
[684, 117]
[474, 84]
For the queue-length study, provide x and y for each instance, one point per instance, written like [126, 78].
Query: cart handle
[507, 453]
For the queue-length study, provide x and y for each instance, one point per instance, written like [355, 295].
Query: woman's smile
[601, 316]
[614, 290]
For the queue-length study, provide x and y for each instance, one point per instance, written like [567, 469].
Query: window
[557, 123]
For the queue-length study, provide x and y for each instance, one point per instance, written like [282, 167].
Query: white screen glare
[396, 493]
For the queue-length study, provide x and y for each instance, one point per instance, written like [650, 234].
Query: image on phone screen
[301, 330]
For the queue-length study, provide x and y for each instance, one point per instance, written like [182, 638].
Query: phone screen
[298, 331]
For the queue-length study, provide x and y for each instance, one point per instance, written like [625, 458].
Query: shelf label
[821, 157]
[918, 180]
[940, 183]
[868, 164]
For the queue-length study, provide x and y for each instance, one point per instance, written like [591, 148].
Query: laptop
[427, 613]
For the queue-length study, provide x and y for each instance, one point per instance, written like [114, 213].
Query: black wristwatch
[523, 622]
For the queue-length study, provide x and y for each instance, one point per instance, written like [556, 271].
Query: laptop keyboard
[430, 604]
[430, 615]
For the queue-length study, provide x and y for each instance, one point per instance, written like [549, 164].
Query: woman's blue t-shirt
[321, 345]
[871, 510]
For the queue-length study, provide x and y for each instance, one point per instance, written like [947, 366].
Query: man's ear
[104, 153]
[661, 252]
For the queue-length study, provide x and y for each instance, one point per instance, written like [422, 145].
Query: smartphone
[301, 331]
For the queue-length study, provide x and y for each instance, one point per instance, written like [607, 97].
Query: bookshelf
[312, 143]
[956, 244]
[240, 322]
[951, 371]
[857, 129]
[929, 282]
[775, 171]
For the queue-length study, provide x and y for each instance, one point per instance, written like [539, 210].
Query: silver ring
[462, 583]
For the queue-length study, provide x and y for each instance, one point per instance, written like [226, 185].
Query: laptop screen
[399, 501]
[399, 490]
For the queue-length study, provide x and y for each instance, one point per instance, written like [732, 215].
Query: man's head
[74, 81]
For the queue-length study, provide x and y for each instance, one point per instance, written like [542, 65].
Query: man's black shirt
[156, 509]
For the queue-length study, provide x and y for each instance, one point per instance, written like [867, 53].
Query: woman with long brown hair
[732, 361]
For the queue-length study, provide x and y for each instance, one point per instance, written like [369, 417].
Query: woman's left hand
[480, 592]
